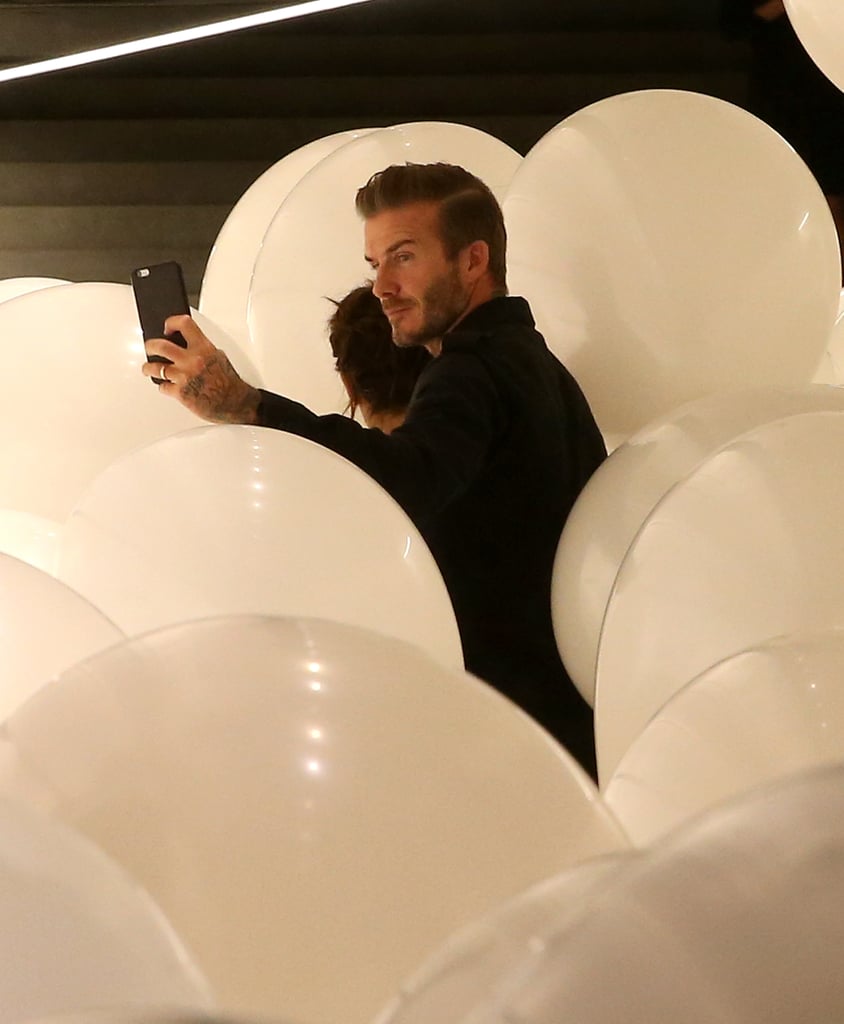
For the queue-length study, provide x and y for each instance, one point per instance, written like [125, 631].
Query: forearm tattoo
[218, 394]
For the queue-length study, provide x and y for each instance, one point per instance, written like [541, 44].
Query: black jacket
[497, 444]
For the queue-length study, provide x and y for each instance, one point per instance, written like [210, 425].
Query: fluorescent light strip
[72, 60]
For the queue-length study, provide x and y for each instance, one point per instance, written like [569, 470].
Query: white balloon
[656, 277]
[223, 520]
[745, 549]
[12, 287]
[467, 969]
[224, 294]
[76, 399]
[45, 627]
[314, 807]
[152, 1016]
[624, 490]
[736, 917]
[819, 25]
[33, 539]
[831, 368]
[756, 717]
[155, 1015]
[77, 931]
[313, 249]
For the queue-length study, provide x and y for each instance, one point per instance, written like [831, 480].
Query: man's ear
[476, 256]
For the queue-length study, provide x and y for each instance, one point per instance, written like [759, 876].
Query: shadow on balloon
[308, 800]
[45, 628]
[650, 296]
[467, 969]
[33, 539]
[80, 932]
[224, 296]
[94, 404]
[626, 488]
[735, 916]
[236, 520]
[756, 717]
[152, 1016]
[744, 549]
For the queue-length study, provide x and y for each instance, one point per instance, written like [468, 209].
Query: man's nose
[383, 285]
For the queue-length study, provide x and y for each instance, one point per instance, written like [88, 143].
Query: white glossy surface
[315, 807]
[820, 26]
[745, 549]
[624, 490]
[77, 399]
[222, 520]
[754, 718]
[313, 249]
[831, 368]
[735, 918]
[224, 295]
[45, 627]
[78, 932]
[155, 1015]
[468, 968]
[12, 287]
[33, 539]
[656, 277]
[151, 1016]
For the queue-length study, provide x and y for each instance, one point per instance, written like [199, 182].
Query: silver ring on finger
[163, 372]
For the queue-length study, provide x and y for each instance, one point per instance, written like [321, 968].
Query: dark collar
[506, 309]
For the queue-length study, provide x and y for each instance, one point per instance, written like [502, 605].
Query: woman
[378, 376]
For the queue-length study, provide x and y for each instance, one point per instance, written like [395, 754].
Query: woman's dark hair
[374, 369]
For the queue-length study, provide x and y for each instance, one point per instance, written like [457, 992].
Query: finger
[185, 325]
[157, 370]
[162, 347]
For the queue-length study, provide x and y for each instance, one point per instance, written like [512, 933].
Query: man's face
[422, 292]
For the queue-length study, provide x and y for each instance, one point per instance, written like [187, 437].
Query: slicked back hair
[468, 211]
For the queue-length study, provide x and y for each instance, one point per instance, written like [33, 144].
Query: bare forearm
[218, 395]
[201, 376]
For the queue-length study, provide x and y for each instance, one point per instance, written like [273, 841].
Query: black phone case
[159, 293]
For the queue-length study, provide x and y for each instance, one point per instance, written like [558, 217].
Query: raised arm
[201, 376]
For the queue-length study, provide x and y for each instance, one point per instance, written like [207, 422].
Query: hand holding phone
[159, 293]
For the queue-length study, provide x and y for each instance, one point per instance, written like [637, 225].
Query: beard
[444, 301]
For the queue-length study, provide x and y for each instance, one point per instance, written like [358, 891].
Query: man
[497, 443]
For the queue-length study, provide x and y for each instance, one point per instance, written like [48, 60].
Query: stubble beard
[442, 304]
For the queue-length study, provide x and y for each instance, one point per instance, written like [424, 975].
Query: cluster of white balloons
[231, 662]
[240, 762]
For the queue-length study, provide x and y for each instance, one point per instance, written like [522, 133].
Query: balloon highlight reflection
[743, 550]
[332, 816]
[87, 404]
[309, 800]
[624, 491]
[655, 276]
[235, 519]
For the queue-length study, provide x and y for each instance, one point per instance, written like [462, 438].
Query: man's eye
[402, 257]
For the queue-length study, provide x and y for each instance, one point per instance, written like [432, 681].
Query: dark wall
[108, 166]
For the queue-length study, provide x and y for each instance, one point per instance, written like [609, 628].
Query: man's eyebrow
[392, 248]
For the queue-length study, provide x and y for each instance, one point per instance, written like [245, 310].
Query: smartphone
[159, 293]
